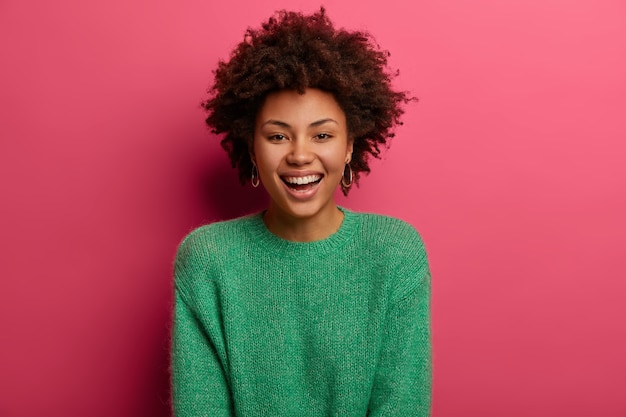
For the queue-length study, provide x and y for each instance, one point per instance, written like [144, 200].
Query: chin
[302, 210]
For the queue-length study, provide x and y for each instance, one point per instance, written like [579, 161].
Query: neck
[307, 229]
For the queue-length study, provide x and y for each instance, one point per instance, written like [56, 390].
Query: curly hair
[296, 51]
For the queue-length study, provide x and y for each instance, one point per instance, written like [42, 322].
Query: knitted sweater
[268, 327]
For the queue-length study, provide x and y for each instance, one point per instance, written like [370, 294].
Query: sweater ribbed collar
[270, 242]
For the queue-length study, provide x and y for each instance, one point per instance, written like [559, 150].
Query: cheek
[335, 160]
[266, 161]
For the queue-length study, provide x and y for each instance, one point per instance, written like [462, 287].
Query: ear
[349, 150]
[251, 153]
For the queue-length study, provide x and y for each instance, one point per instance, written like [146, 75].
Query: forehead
[300, 109]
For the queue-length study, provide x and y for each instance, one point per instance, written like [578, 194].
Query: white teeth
[302, 180]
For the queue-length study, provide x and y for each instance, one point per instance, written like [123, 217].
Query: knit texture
[268, 327]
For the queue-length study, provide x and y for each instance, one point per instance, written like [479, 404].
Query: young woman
[307, 308]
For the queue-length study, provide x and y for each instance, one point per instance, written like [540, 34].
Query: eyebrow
[286, 125]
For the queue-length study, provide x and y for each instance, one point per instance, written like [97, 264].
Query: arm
[199, 385]
[199, 381]
[402, 385]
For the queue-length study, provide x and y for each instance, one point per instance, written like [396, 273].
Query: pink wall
[511, 166]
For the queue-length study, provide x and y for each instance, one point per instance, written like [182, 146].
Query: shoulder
[398, 246]
[386, 232]
[216, 233]
[212, 242]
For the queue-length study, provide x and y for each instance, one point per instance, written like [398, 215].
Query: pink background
[511, 166]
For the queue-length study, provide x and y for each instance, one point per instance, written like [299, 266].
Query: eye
[323, 136]
[277, 137]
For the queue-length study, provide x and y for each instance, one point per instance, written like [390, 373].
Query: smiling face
[301, 147]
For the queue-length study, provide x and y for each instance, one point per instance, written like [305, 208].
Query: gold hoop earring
[346, 183]
[254, 177]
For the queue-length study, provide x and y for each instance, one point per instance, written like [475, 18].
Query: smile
[303, 183]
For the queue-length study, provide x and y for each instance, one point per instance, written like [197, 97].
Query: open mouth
[304, 183]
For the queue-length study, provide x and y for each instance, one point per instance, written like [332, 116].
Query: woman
[305, 309]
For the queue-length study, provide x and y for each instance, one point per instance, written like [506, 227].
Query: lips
[301, 183]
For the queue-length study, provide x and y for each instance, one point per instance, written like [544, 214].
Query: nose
[300, 152]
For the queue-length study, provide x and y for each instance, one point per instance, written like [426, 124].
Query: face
[301, 147]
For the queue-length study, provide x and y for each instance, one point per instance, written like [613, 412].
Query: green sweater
[268, 327]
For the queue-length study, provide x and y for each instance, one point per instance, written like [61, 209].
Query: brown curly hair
[295, 51]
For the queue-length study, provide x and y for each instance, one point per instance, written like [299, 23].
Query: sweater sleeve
[199, 382]
[199, 386]
[402, 384]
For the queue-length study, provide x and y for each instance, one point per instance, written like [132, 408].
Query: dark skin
[293, 51]
[301, 146]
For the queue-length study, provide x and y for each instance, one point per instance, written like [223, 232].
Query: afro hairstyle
[296, 51]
